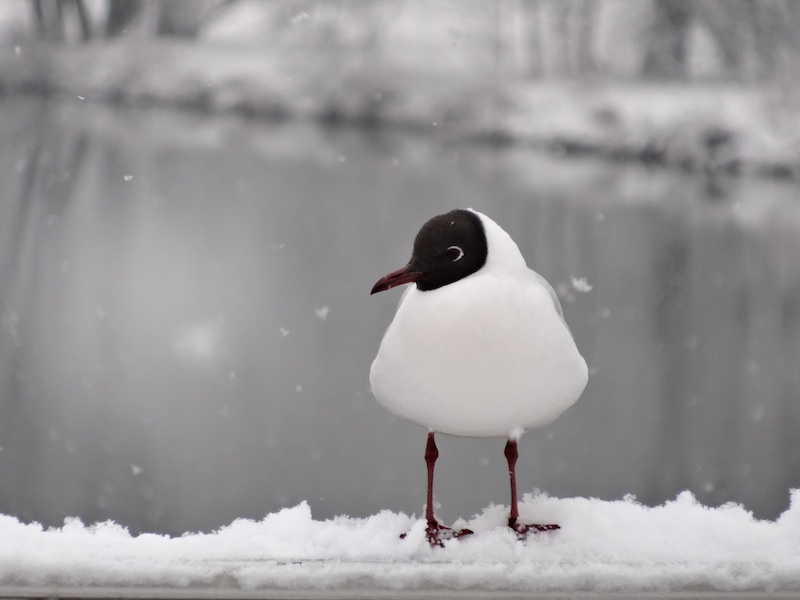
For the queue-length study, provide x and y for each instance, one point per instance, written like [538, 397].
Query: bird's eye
[455, 253]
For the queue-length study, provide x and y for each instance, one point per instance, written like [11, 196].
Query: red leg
[431, 454]
[522, 530]
[511, 456]
[436, 533]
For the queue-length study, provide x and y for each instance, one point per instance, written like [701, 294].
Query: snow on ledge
[603, 547]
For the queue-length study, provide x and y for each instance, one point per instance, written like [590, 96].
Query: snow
[581, 285]
[603, 547]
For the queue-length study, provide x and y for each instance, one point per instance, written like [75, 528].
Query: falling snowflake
[581, 285]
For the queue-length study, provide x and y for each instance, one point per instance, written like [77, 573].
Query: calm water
[187, 328]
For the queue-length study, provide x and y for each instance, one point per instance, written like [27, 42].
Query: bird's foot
[523, 530]
[437, 534]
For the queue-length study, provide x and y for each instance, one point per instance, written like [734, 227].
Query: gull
[478, 347]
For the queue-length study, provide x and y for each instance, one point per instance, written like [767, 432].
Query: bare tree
[121, 13]
[51, 18]
[666, 47]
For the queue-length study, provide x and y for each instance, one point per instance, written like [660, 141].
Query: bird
[478, 347]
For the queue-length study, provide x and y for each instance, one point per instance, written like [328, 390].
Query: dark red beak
[394, 279]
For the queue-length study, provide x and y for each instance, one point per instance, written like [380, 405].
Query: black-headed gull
[478, 346]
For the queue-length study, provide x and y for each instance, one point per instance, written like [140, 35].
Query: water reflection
[187, 328]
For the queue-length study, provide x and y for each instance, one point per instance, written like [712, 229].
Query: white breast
[489, 355]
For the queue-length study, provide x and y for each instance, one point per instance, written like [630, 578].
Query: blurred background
[197, 196]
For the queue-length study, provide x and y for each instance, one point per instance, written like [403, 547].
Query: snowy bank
[752, 130]
[603, 547]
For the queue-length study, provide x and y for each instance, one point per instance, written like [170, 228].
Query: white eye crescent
[455, 253]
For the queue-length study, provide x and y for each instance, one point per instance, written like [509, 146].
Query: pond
[186, 325]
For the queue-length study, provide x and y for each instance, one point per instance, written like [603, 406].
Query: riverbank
[734, 129]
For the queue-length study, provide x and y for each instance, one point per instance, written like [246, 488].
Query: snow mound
[603, 546]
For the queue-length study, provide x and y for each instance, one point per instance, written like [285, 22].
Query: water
[186, 326]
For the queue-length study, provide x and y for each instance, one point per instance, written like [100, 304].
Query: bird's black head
[447, 248]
